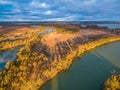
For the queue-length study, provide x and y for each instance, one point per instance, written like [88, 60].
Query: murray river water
[90, 71]
[110, 26]
[7, 55]
[11, 53]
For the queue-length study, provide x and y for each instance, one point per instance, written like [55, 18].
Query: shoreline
[84, 48]
[64, 63]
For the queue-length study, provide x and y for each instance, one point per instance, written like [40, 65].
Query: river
[11, 53]
[7, 55]
[90, 71]
[110, 26]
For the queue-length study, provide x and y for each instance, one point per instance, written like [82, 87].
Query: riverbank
[17, 36]
[82, 49]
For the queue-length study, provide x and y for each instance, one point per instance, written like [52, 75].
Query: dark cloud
[59, 10]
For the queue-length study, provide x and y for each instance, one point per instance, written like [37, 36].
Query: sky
[59, 10]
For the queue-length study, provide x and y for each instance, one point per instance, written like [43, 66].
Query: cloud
[59, 10]
[38, 4]
[65, 18]
[5, 2]
[43, 5]
[49, 12]
[9, 3]
[16, 10]
[89, 2]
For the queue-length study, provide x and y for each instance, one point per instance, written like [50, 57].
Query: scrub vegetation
[113, 83]
[43, 54]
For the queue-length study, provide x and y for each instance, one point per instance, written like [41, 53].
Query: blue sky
[59, 10]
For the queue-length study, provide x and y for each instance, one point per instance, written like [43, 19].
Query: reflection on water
[89, 72]
[7, 55]
[34, 26]
[111, 53]
[54, 84]
[110, 26]
[47, 31]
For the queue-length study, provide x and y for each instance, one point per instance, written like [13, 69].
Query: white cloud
[33, 12]
[49, 12]
[38, 4]
[8, 2]
[5, 2]
[12, 11]
[89, 2]
[16, 10]
[20, 19]
[66, 18]
[44, 5]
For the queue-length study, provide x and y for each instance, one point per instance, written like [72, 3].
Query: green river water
[90, 71]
